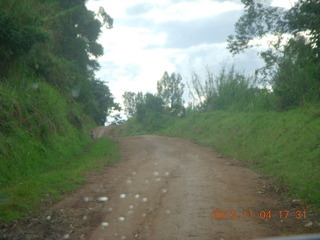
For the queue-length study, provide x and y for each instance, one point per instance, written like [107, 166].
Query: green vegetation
[152, 112]
[49, 99]
[270, 121]
[292, 59]
[43, 187]
[283, 146]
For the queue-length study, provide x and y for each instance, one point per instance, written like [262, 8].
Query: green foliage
[170, 89]
[49, 98]
[284, 146]
[228, 90]
[305, 17]
[297, 80]
[130, 102]
[55, 41]
[32, 193]
[107, 20]
[258, 20]
[17, 36]
[291, 66]
[104, 101]
[35, 131]
[151, 113]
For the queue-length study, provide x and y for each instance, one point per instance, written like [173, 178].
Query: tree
[130, 101]
[296, 80]
[18, 36]
[151, 112]
[170, 90]
[258, 20]
[56, 41]
[104, 102]
[295, 57]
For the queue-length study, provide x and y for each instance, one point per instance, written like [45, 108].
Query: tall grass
[284, 146]
[32, 193]
[35, 132]
[228, 89]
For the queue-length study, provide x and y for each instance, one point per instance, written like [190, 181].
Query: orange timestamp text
[263, 214]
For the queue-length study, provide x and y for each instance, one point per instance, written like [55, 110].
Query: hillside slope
[284, 146]
[43, 154]
[49, 99]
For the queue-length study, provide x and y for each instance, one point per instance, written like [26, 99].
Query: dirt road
[168, 189]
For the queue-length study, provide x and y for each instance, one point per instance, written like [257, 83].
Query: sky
[150, 37]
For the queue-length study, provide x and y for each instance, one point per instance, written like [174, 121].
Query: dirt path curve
[168, 188]
[164, 189]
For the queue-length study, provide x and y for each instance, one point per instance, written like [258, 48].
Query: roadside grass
[32, 194]
[131, 128]
[284, 146]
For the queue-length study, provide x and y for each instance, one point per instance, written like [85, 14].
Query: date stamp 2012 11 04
[263, 214]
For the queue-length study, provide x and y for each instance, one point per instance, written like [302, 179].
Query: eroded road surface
[167, 189]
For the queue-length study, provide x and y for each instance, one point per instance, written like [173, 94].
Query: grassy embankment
[45, 149]
[284, 146]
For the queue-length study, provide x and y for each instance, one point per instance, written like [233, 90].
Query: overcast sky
[154, 36]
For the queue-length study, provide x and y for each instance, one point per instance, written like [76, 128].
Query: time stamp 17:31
[284, 214]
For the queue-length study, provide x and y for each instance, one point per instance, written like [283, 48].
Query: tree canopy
[56, 41]
[291, 60]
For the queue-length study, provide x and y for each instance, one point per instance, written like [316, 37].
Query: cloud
[138, 9]
[166, 11]
[184, 34]
[150, 37]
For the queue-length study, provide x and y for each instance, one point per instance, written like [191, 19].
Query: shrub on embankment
[38, 146]
[35, 131]
[284, 146]
[49, 99]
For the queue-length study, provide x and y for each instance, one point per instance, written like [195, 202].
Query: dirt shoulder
[167, 188]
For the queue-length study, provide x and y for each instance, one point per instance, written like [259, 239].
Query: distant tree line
[155, 111]
[290, 77]
[55, 41]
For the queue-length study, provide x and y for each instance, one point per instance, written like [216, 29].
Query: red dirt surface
[166, 189]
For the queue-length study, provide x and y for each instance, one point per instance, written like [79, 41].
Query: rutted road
[165, 189]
